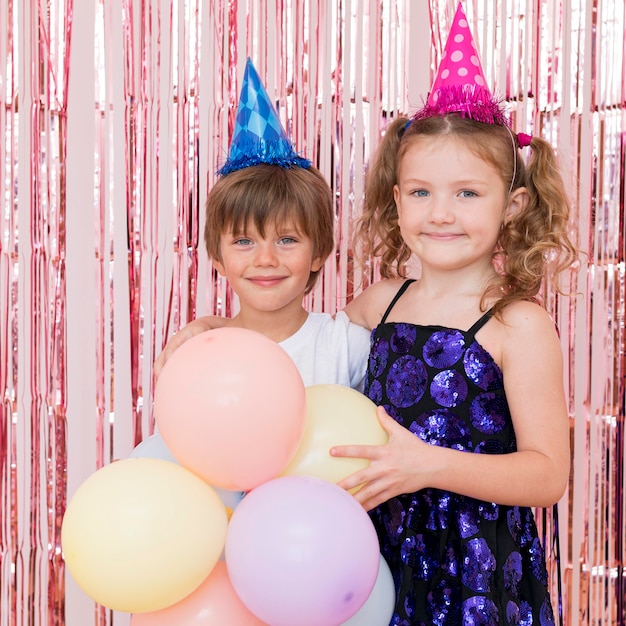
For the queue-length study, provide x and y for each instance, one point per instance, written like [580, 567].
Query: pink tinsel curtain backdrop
[114, 116]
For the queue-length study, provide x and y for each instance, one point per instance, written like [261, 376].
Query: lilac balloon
[301, 551]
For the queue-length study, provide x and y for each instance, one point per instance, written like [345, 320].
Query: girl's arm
[535, 475]
[368, 308]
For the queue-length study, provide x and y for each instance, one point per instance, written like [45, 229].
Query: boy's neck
[276, 325]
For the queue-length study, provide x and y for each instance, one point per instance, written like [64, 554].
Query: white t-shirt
[330, 351]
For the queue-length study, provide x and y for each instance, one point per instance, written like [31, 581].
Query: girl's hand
[394, 467]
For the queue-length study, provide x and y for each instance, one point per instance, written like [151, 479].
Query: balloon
[229, 404]
[141, 534]
[335, 415]
[155, 448]
[301, 551]
[379, 606]
[213, 603]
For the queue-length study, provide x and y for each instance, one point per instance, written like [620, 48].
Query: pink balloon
[301, 551]
[230, 405]
[213, 603]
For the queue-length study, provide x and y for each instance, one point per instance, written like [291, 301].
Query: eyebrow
[454, 183]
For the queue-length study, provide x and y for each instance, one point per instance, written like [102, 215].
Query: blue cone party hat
[259, 137]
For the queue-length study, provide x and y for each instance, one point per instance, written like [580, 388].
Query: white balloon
[378, 608]
[153, 447]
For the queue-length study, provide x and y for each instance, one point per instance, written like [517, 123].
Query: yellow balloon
[141, 534]
[335, 415]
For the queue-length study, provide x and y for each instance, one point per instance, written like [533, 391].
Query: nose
[441, 211]
[265, 255]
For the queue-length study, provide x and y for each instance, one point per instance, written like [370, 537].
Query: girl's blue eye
[421, 193]
[468, 194]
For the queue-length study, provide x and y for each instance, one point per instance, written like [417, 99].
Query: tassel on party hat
[460, 85]
[259, 137]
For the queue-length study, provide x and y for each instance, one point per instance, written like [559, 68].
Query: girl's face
[271, 272]
[450, 204]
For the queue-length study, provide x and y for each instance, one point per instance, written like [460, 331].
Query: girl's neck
[449, 299]
[470, 282]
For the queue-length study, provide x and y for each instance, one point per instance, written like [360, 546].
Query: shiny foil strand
[344, 97]
[211, 143]
[102, 328]
[104, 230]
[320, 82]
[8, 327]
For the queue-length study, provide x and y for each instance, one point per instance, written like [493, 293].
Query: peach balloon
[213, 603]
[335, 416]
[230, 405]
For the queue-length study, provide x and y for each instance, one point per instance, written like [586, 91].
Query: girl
[465, 362]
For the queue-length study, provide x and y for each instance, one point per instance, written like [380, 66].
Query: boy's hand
[197, 326]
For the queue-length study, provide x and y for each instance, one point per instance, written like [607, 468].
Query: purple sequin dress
[455, 560]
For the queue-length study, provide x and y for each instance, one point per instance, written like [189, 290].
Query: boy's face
[268, 273]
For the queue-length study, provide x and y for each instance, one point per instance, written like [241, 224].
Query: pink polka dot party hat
[460, 85]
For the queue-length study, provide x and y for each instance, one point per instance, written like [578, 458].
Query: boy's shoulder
[337, 324]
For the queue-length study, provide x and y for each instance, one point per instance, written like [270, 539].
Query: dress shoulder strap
[402, 289]
[480, 323]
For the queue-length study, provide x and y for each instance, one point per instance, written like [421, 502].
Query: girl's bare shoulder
[525, 323]
[369, 306]
[525, 312]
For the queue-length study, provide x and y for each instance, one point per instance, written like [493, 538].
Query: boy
[269, 229]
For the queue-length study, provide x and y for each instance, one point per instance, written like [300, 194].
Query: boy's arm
[195, 327]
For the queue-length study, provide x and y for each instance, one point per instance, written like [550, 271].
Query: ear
[396, 194]
[517, 202]
[316, 264]
[219, 267]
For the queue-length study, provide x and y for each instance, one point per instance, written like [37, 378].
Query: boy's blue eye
[243, 241]
[287, 240]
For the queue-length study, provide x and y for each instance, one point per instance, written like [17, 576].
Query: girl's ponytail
[535, 242]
